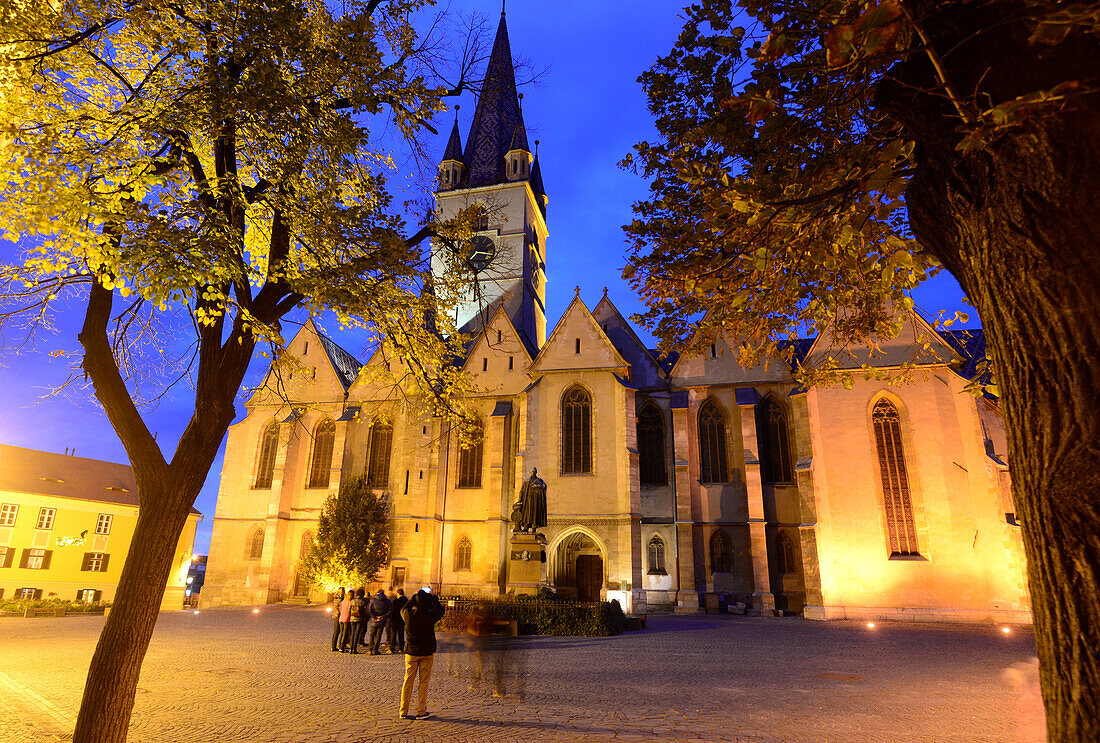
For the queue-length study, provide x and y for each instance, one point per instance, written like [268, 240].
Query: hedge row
[70, 607]
[540, 616]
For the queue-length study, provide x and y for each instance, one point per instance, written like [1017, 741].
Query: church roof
[498, 122]
[347, 366]
[970, 345]
[454, 145]
[536, 183]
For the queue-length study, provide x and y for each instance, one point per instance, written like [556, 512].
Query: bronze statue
[529, 514]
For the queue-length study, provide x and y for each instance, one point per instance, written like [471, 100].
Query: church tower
[497, 172]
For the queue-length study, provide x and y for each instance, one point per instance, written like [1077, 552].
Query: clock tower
[497, 173]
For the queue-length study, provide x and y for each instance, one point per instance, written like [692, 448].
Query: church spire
[498, 123]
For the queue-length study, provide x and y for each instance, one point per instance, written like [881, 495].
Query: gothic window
[378, 459]
[712, 443]
[775, 446]
[720, 553]
[307, 545]
[256, 548]
[657, 556]
[651, 446]
[788, 557]
[469, 458]
[576, 432]
[895, 479]
[463, 550]
[323, 438]
[265, 470]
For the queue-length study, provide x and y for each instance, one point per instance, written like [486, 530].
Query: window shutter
[24, 558]
[98, 595]
[103, 564]
[46, 560]
[79, 591]
[86, 564]
[38, 592]
[5, 561]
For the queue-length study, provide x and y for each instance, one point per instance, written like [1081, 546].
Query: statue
[529, 513]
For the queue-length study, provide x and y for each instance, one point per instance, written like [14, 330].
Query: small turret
[517, 161]
[453, 167]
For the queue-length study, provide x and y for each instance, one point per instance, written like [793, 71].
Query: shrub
[544, 614]
[70, 607]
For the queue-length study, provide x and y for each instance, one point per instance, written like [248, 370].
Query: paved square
[230, 675]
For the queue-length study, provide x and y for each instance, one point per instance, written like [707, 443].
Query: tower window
[485, 365]
[510, 360]
[577, 346]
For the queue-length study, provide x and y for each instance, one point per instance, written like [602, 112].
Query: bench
[32, 612]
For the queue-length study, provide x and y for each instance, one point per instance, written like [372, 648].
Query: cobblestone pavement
[231, 675]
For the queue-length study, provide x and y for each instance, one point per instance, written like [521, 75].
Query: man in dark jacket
[395, 627]
[379, 611]
[420, 615]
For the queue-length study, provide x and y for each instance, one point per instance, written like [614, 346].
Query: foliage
[777, 184]
[70, 607]
[353, 538]
[544, 614]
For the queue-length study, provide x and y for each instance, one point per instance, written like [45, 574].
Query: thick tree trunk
[1018, 225]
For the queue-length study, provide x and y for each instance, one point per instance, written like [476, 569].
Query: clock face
[482, 254]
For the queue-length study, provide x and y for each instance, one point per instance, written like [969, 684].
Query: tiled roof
[63, 476]
[800, 347]
[970, 345]
[498, 123]
[347, 366]
[666, 360]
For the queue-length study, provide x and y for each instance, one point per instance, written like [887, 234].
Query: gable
[884, 352]
[719, 364]
[578, 342]
[313, 368]
[645, 372]
[498, 358]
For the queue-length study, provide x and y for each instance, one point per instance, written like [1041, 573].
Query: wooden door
[589, 577]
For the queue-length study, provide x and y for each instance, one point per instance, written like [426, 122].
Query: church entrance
[589, 577]
[578, 568]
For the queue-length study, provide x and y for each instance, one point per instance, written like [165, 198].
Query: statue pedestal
[526, 563]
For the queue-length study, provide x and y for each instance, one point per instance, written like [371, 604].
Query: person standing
[357, 620]
[336, 599]
[420, 615]
[345, 615]
[379, 612]
[395, 627]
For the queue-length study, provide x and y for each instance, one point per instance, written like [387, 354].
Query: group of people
[409, 624]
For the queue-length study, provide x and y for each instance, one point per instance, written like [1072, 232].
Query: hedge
[544, 614]
[70, 607]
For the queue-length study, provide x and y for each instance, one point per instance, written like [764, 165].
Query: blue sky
[587, 110]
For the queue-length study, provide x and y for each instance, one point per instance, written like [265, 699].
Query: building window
[88, 595]
[775, 446]
[657, 556]
[28, 593]
[103, 523]
[576, 432]
[95, 562]
[265, 471]
[895, 479]
[378, 459]
[36, 559]
[788, 556]
[6, 556]
[712, 444]
[398, 576]
[45, 518]
[305, 548]
[463, 551]
[323, 439]
[256, 549]
[651, 446]
[469, 458]
[720, 560]
[8, 512]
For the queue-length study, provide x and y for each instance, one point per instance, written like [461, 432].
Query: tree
[830, 156]
[211, 167]
[353, 538]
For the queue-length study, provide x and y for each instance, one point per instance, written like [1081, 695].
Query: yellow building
[65, 528]
[672, 484]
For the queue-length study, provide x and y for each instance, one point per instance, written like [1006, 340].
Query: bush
[71, 607]
[544, 614]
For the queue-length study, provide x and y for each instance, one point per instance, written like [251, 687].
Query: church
[673, 484]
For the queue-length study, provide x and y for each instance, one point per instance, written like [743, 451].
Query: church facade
[671, 484]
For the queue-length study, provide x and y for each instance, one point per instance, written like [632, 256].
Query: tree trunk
[1018, 225]
[116, 665]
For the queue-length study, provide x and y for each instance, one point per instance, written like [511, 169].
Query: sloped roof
[800, 346]
[347, 366]
[498, 123]
[63, 476]
[970, 345]
[454, 145]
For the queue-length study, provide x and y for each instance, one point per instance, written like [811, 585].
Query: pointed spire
[454, 144]
[498, 123]
[536, 181]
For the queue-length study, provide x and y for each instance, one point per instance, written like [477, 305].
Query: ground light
[870, 625]
[196, 611]
[255, 611]
[1006, 630]
[328, 609]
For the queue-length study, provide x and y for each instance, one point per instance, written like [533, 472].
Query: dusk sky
[587, 110]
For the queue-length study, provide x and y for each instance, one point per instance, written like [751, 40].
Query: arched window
[463, 550]
[651, 446]
[323, 438]
[576, 432]
[895, 479]
[307, 545]
[720, 559]
[712, 443]
[775, 444]
[470, 457]
[788, 557]
[256, 549]
[265, 468]
[657, 556]
[378, 458]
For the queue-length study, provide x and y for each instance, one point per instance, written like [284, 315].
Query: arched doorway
[579, 568]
